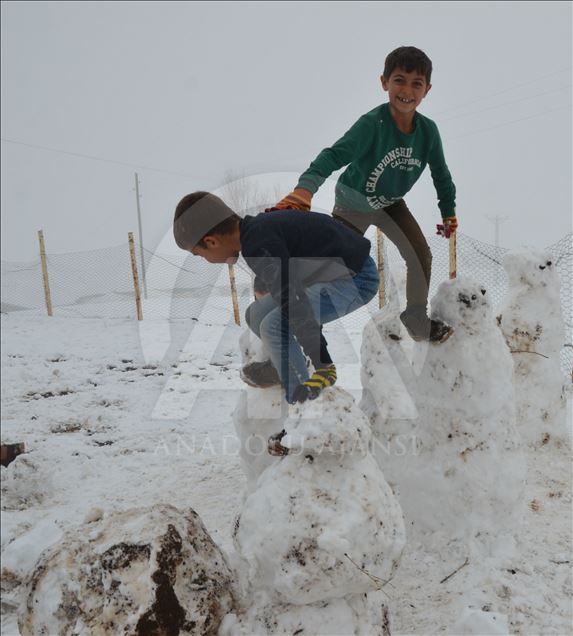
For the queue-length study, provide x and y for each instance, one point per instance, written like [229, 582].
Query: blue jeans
[329, 301]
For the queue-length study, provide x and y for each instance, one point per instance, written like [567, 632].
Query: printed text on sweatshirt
[383, 163]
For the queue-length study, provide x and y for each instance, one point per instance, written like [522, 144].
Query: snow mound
[142, 571]
[322, 519]
[258, 415]
[361, 615]
[387, 376]
[532, 323]
[26, 482]
[481, 623]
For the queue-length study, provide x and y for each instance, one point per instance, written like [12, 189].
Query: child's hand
[452, 221]
[299, 199]
[450, 225]
[310, 390]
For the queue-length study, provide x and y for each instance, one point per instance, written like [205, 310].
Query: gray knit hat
[196, 215]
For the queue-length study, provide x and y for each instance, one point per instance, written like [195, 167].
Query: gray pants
[398, 224]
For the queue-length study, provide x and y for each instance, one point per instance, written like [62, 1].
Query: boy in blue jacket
[315, 269]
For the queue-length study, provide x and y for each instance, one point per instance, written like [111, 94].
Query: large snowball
[323, 518]
[144, 571]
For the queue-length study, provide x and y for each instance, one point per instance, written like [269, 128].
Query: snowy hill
[80, 393]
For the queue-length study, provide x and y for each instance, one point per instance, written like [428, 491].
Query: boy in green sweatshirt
[386, 151]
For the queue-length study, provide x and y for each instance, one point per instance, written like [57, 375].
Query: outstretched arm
[354, 143]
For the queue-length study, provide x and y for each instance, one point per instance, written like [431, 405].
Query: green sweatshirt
[383, 163]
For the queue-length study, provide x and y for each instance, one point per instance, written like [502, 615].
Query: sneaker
[439, 331]
[420, 327]
[274, 445]
[260, 374]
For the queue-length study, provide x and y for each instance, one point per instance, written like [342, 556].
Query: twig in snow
[377, 581]
[463, 565]
[535, 352]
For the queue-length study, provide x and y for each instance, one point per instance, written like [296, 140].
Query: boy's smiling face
[405, 90]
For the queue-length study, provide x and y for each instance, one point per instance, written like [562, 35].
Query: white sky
[199, 89]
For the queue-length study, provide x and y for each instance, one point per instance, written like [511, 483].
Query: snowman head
[462, 302]
[530, 267]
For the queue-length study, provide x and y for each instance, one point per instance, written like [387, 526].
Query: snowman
[532, 322]
[466, 443]
[322, 527]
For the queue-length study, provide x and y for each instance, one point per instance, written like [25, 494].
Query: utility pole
[497, 220]
[140, 235]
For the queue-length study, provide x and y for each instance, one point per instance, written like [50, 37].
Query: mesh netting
[483, 263]
[99, 283]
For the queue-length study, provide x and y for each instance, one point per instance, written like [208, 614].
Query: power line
[513, 101]
[506, 90]
[105, 160]
[506, 123]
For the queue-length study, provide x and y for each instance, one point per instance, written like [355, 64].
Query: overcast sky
[184, 92]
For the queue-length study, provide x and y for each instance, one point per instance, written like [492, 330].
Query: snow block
[532, 322]
[143, 571]
[322, 523]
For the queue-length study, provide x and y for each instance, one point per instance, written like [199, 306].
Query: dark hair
[192, 222]
[410, 59]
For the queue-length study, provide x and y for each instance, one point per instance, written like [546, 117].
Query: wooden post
[234, 294]
[47, 294]
[453, 255]
[135, 276]
[380, 258]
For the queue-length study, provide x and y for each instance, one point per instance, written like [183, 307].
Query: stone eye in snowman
[548, 264]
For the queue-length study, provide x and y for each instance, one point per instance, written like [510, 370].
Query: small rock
[95, 514]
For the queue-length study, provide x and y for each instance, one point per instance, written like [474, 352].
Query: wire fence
[99, 283]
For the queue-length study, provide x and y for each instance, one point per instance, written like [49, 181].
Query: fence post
[234, 294]
[47, 294]
[453, 255]
[380, 258]
[135, 276]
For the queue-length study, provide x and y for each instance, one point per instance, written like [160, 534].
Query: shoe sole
[441, 341]
[258, 386]
[446, 336]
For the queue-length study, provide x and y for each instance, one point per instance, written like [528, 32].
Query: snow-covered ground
[115, 416]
